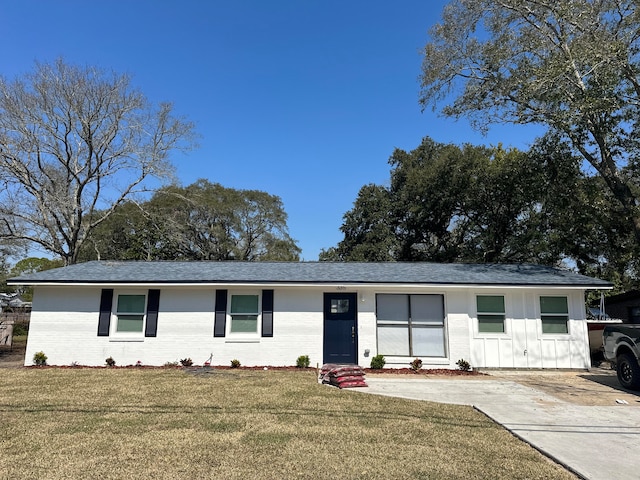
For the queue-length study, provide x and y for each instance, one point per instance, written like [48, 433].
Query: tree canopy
[480, 204]
[76, 143]
[203, 221]
[570, 65]
[24, 266]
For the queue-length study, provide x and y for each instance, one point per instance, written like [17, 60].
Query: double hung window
[237, 314]
[126, 316]
[554, 315]
[130, 310]
[410, 325]
[244, 313]
[491, 313]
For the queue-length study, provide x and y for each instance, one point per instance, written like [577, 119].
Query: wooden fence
[17, 317]
[8, 322]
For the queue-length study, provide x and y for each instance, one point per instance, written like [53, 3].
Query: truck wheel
[628, 371]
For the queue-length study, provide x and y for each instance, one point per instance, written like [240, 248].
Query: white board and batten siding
[523, 344]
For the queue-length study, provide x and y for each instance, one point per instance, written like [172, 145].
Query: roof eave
[271, 283]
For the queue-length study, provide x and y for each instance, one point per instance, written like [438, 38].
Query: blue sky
[302, 99]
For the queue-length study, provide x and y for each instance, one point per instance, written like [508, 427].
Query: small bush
[186, 362]
[378, 362]
[110, 362]
[303, 361]
[416, 364]
[20, 330]
[171, 364]
[235, 363]
[39, 359]
[138, 363]
[463, 365]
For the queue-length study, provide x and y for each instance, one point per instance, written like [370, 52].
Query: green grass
[165, 423]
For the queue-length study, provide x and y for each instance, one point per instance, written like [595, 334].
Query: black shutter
[220, 319]
[153, 302]
[267, 313]
[104, 319]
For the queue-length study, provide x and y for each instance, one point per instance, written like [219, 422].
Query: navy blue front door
[340, 328]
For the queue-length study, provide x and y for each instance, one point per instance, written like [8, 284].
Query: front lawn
[241, 424]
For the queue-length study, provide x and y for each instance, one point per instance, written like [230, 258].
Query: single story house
[270, 313]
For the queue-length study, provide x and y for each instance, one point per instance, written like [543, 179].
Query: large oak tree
[202, 221]
[482, 204]
[570, 65]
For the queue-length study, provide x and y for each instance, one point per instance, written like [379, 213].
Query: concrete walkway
[594, 442]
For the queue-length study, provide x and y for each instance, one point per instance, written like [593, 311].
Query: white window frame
[558, 314]
[114, 334]
[506, 332]
[244, 335]
[409, 324]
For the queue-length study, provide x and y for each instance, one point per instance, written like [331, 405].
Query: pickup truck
[622, 347]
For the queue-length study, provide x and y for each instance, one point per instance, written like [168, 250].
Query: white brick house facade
[268, 314]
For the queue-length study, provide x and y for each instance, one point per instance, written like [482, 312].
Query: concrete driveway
[592, 439]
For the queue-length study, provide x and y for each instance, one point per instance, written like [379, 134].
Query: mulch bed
[292, 368]
[14, 357]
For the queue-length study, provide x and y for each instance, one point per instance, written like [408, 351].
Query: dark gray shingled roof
[114, 272]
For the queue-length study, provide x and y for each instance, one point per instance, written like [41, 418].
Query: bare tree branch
[75, 143]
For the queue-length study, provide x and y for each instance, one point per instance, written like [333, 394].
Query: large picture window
[554, 314]
[491, 313]
[410, 325]
[244, 313]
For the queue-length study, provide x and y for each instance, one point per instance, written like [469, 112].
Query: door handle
[353, 332]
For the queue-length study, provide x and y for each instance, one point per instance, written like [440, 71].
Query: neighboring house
[270, 313]
[625, 306]
[12, 307]
[10, 302]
